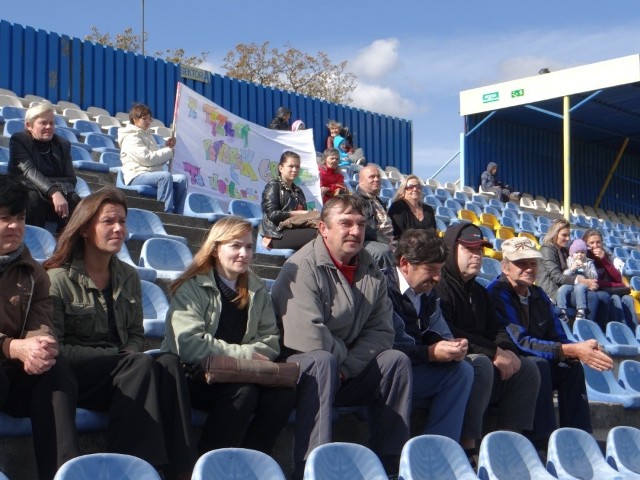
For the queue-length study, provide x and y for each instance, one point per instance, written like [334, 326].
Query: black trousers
[568, 379]
[40, 210]
[148, 403]
[50, 400]
[241, 415]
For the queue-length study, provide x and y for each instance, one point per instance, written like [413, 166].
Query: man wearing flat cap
[529, 317]
[502, 377]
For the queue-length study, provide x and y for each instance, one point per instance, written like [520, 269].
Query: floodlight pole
[143, 28]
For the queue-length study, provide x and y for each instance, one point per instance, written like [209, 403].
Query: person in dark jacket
[44, 160]
[622, 305]
[440, 376]
[282, 199]
[489, 183]
[35, 381]
[552, 279]
[528, 316]
[379, 230]
[408, 210]
[281, 120]
[502, 377]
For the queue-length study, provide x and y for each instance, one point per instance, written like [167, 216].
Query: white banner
[229, 157]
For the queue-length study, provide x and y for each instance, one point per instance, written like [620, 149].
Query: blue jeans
[172, 188]
[447, 386]
[572, 295]
[596, 302]
[623, 310]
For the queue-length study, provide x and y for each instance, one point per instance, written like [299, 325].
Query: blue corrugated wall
[58, 67]
[531, 161]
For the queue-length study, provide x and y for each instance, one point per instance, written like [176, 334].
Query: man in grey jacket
[331, 302]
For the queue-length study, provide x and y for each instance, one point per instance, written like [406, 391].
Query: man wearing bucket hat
[529, 317]
[502, 377]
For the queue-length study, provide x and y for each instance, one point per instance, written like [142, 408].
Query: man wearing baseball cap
[529, 317]
[501, 376]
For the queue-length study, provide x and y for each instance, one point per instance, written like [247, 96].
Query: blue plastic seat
[154, 309]
[12, 126]
[482, 281]
[442, 194]
[629, 375]
[236, 464]
[343, 461]
[101, 143]
[507, 455]
[585, 329]
[282, 252]
[143, 225]
[567, 331]
[634, 253]
[480, 199]
[432, 201]
[623, 449]
[250, 211]
[146, 190]
[574, 453]
[80, 154]
[474, 207]
[41, 242]
[107, 466]
[602, 387]
[631, 267]
[200, 205]
[148, 274]
[434, 456]
[112, 161]
[453, 205]
[620, 334]
[9, 112]
[611, 242]
[490, 268]
[82, 188]
[87, 126]
[168, 257]
[446, 215]
[4, 154]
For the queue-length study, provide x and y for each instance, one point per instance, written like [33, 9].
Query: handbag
[621, 291]
[223, 369]
[308, 219]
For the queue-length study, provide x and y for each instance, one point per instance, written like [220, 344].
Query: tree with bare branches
[291, 69]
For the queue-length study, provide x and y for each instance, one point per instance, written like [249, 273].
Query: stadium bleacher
[531, 215]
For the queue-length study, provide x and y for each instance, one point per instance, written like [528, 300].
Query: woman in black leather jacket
[282, 199]
[44, 159]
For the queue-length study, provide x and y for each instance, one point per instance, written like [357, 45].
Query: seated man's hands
[38, 354]
[506, 362]
[449, 350]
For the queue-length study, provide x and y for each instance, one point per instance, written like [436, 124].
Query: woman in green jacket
[220, 307]
[97, 314]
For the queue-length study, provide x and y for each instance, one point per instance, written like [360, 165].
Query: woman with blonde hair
[408, 210]
[44, 160]
[97, 315]
[552, 276]
[219, 306]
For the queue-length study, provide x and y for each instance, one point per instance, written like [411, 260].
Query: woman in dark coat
[44, 160]
[408, 209]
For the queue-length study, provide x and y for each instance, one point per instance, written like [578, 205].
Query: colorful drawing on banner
[230, 157]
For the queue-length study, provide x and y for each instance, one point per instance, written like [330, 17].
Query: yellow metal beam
[607, 180]
[566, 141]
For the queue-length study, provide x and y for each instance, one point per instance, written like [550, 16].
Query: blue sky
[412, 57]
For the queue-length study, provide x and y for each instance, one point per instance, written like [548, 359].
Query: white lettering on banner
[229, 157]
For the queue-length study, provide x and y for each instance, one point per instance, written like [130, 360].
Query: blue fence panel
[63, 68]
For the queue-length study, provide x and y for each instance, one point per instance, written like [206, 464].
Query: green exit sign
[517, 93]
[490, 97]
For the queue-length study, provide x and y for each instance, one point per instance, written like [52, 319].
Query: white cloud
[212, 67]
[377, 59]
[383, 100]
